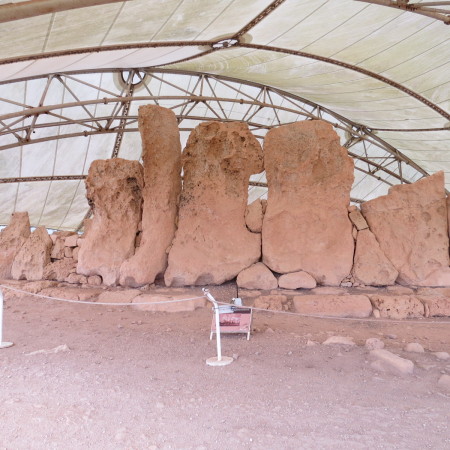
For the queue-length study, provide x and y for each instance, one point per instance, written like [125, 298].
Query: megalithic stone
[11, 240]
[161, 155]
[212, 243]
[306, 225]
[410, 224]
[33, 256]
[114, 190]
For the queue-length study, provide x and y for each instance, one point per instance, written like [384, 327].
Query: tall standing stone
[410, 224]
[11, 240]
[306, 225]
[161, 154]
[33, 256]
[212, 243]
[114, 191]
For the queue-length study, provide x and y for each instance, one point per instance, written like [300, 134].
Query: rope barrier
[99, 303]
[312, 316]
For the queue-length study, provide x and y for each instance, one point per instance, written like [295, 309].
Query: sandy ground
[138, 380]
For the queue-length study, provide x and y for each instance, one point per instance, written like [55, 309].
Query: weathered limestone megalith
[212, 243]
[306, 225]
[11, 240]
[410, 224]
[370, 265]
[161, 155]
[33, 256]
[114, 191]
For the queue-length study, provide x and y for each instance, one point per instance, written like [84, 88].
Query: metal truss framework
[435, 10]
[199, 98]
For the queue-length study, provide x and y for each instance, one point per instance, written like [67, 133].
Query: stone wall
[305, 235]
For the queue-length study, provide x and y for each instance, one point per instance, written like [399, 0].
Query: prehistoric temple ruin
[182, 219]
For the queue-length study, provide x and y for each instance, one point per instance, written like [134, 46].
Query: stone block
[410, 224]
[333, 305]
[272, 302]
[306, 225]
[161, 155]
[212, 243]
[435, 305]
[389, 362]
[257, 276]
[370, 266]
[114, 189]
[72, 241]
[254, 216]
[12, 237]
[59, 270]
[297, 280]
[397, 306]
[358, 220]
[33, 256]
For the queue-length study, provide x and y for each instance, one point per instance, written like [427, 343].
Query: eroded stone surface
[435, 305]
[254, 216]
[59, 239]
[33, 256]
[12, 238]
[306, 225]
[212, 243]
[114, 189]
[161, 155]
[257, 276]
[76, 278]
[273, 302]
[59, 270]
[297, 280]
[370, 266]
[397, 306]
[410, 224]
[333, 305]
[357, 219]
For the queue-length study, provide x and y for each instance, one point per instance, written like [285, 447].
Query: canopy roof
[73, 74]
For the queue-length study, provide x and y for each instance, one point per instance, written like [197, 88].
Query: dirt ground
[128, 379]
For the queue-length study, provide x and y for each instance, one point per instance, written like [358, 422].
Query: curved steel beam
[354, 68]
[423, 8]
[32, 8]
[210, 44]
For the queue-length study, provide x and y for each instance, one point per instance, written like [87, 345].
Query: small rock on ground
[444, 382]
[442, 355]
[374, 344]
[339, 340]
[387, 361]
[414, 347]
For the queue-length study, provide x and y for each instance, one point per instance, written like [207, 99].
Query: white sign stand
[2, 344]
[219, 360]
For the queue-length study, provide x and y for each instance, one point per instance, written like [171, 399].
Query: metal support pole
[219, 360]
[2, 344]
